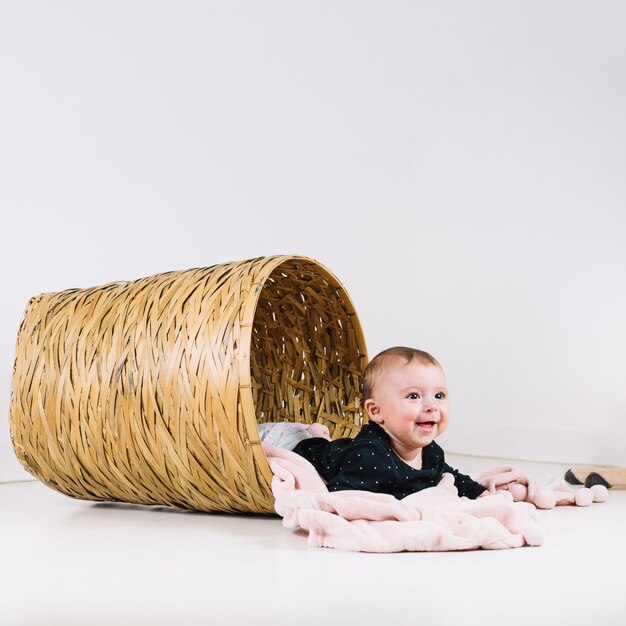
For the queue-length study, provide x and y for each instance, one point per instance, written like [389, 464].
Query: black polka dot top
[368, 462]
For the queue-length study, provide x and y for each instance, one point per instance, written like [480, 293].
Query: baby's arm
[465, 485]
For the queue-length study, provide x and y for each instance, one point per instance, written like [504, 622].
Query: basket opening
[307, 351]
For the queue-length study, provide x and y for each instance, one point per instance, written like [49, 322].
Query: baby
[407, 402]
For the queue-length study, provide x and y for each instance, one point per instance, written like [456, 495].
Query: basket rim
[247, 320]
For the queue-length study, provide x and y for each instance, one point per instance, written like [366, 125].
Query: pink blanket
[434, 519]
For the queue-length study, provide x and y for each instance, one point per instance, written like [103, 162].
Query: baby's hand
[447, 482]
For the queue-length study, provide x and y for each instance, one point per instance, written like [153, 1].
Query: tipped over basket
[150, 391]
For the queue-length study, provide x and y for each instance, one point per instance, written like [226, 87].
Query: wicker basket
[150, 391]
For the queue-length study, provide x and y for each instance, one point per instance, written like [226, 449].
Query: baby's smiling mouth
[429, 425]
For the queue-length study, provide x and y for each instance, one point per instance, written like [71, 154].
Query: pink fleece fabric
[435, 519]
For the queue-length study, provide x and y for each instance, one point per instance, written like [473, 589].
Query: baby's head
[389, 358]
[405, 393]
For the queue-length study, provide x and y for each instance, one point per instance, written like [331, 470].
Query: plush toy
[522, 487]
[590, 476]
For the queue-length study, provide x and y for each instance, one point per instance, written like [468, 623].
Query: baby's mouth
[426, 425]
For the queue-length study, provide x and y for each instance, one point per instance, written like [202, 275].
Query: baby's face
[410, 401]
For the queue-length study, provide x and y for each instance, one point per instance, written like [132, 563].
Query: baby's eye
[414, 396]
[440, 395]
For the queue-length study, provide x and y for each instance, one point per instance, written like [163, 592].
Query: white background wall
[459, 165]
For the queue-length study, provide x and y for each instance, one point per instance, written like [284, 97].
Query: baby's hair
[387, 357]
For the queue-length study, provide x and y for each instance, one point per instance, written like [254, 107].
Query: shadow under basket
[150, 391]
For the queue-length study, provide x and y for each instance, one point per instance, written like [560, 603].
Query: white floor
[66, 562]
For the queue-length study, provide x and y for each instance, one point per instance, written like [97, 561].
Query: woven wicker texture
[150, 391]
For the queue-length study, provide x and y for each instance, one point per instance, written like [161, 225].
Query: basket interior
[307, 351]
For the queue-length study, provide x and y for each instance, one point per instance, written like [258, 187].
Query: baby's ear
[371, 407]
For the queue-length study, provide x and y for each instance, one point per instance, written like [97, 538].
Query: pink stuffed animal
[524, 488]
